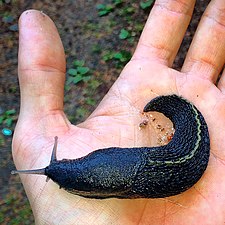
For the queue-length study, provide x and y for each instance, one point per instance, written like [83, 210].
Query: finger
[164, 30]
[206, 55]
[41, 64]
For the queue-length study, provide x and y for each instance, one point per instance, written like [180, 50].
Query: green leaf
[103, 12]
[2, 143]
[83, 70]
[77, 79]
[104, 9]
[122, 56]
[70, 80]
[72, 72]
[117, 2]
[1, 119]
[86, 78]
[78, 63]
[146, 4]
[94, 84]
[109, 8]
[107, 56]
[100, 6]
[118, 55]
[91, 101]
[10, 112]
[126, 57]
[128, 10]
[67, 87]
[8, 122]
[124, 34]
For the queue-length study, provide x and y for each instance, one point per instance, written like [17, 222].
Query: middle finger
[164, 30]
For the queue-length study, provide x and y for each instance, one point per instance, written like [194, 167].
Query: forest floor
[99, 36]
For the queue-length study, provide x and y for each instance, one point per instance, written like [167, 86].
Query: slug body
[145, 172]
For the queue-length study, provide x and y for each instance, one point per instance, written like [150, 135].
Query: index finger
[164, 30]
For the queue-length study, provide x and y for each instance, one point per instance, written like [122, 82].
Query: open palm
[115, 121]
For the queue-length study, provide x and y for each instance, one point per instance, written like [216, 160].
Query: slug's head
[96, 175]
[43, 170]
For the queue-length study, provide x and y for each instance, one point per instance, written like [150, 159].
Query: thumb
[41, 65]
[41, 69]
[41, 72]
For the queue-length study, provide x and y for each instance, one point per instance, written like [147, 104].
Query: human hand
[115, 121]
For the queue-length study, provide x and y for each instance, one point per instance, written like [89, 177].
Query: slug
[140, 172]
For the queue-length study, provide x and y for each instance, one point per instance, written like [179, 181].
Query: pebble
[6, 132]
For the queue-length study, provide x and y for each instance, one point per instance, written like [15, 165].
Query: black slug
[141, 172]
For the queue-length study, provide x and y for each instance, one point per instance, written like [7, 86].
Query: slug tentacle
[54, 157]
[40, 171]
[37, 171]
[145, 172]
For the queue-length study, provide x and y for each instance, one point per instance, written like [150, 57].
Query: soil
[86, 36]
